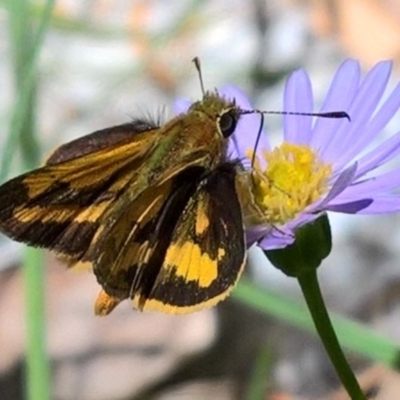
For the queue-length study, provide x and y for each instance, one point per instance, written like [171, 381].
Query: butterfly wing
[102, 139]
[60, 206]
[206, 254]
[134, 243]
[180, 254]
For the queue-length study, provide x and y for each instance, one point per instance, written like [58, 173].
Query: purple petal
[350, 208]
[380, 155]
[282, 236]
[340, 95]
[254, 234]
[382, 204]
[385, 113]
[276, 240]
[231, 92]
[372, 186]
[298, 98]
[341, 183]
[360, 111]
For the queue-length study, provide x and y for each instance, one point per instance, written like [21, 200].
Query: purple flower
[323, 164]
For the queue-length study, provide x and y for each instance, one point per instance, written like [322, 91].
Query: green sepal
[313, 243]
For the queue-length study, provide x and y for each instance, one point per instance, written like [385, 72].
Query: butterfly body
[152, 210]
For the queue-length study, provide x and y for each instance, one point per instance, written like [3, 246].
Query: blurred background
[101, 62]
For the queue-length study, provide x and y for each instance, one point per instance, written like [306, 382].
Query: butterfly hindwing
[206, 253]
[183, 252]
[128, 254]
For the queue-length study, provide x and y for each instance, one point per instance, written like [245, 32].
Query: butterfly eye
[227, 123]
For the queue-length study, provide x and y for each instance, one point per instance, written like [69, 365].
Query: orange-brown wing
[183, 252]
[135, 241]
[60, 206]
[206, 254]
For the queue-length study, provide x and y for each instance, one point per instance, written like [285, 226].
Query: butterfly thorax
[200, 136]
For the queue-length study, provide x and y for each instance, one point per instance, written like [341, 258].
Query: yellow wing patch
[188, 261]
[202, 220]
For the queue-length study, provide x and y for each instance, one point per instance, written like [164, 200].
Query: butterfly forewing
[103, 139]
[60, 206]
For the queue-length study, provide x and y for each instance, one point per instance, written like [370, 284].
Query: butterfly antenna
[329, 114]
[196, 61]
[253, 158]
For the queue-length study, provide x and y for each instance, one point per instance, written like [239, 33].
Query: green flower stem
[312, 293]
[37, 365]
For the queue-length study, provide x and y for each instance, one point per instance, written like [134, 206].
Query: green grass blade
[257, 388]
[26, 45]
[25, 49]
[37, 364]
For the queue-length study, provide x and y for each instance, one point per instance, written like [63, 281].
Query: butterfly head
[225, 113]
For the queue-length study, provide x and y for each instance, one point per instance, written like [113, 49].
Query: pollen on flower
[293, 178]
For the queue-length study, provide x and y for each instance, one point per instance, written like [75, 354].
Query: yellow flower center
[294, 178]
